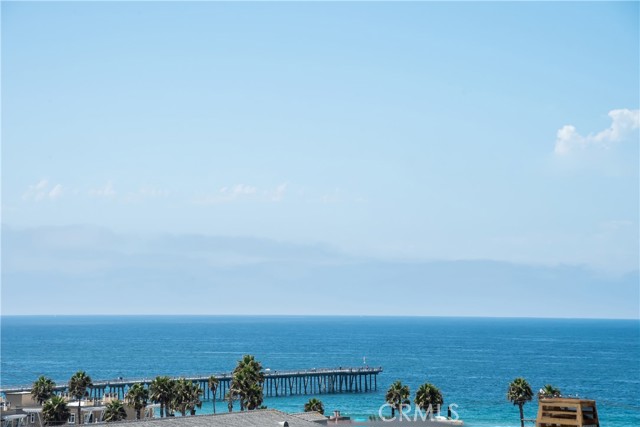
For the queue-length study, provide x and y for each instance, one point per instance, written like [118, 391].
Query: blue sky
[400, 132]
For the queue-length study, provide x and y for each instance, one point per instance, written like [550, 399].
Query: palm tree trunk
[161, 410]
[214, 399]
[138, 414]
[393, 412]
[521, 416]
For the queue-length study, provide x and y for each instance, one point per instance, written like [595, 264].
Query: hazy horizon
[163, 273]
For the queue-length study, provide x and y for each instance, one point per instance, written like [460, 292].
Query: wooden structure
[567, 412]
[276, 383]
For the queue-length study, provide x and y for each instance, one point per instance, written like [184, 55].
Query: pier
[276, 383]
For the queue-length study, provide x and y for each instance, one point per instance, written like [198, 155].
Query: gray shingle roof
[311, 416]
[258, 418]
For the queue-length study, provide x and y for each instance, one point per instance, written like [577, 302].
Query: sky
[407, 136]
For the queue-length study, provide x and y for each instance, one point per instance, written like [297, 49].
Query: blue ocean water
[472, 360]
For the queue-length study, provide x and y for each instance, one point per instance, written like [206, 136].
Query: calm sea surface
[471, 360]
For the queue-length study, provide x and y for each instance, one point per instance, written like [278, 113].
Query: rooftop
[257, 418]
[312, 416]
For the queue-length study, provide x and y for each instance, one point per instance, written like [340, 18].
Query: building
[20, 410]
[567, 412]
[19, 399]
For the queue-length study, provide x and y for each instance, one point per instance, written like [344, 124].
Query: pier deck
[276, 383]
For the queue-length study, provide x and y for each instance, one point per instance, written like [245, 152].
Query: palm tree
[246, 383]
[42, 389]
[115, 411]
[397, 396]
[213, 385]
[549, 391]
[180, 396]
[251, 366]
[55, 411]
[137, 397]
[253, 397]
[520, 393]
[78, 385]
[186, 397]
[194, 398]
[428, 397]
[238, 387]
[161, 391]
[314, 405]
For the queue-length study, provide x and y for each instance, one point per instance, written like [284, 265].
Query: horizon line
[316, 315]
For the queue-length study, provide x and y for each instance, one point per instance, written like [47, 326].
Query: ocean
[472, 360]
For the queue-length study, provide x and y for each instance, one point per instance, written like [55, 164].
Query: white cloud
[238, 192]
[40, 191]
[227, 194]
[106, 191]
[36, 191]
[55, 192]
[624, 124]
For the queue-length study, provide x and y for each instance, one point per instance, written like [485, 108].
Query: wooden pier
[276, 383]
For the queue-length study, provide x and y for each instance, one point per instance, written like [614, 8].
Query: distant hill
[85, 270]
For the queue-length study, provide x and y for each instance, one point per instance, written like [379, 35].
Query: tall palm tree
[114, 411]
[55, 411]
[314, 405]
[42, 389]
[137, 397]
[247, 383]
[161, 391]
[429, 397]
[549, 391]
[520, 393]
[78, 385]
[397, 396]
[213, 386]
